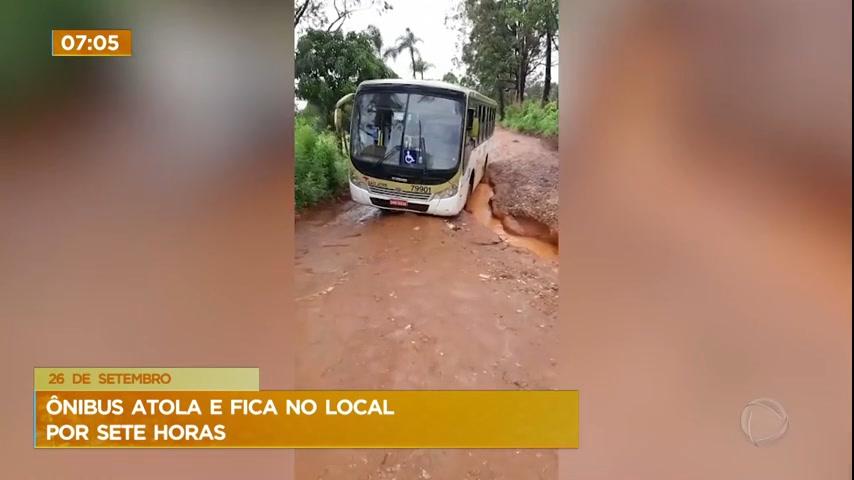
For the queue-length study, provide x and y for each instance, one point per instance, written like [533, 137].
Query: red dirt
[402, 301]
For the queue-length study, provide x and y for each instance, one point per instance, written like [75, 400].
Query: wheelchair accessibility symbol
[410, 157]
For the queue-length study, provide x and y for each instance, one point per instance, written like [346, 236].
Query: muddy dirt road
[401, 301]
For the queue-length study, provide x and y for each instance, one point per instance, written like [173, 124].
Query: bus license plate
[398, 203]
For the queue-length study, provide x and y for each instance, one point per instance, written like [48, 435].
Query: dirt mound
[525, 180]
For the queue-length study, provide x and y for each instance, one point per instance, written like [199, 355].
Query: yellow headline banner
[146, 379]
[306, 419]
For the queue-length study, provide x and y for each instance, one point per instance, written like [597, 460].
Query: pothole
[522, 233]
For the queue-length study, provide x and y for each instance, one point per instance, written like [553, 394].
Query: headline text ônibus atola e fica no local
[237, 406]
[169, 407]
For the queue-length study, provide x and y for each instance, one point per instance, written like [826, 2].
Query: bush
[313, 115]
[532, 118]
[320, 170]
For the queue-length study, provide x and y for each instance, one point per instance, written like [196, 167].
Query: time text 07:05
[91, 43]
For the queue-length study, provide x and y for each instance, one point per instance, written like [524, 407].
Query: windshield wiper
[387, 155]
[422, 145]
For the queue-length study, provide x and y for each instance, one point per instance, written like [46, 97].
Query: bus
[416, 145]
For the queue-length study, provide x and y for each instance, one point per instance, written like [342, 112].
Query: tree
[488, 49]
[548, 16]
[468, 82]
[450, 78]
[329, 65]
[505, 42]
[376, 38]
[422, 66]
[535, 89]
[308, 12]
[312, 14]
[406, 43]
[525, 19]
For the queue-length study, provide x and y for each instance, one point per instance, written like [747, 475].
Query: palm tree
[405, 42]
[421, 66]
[376, 38]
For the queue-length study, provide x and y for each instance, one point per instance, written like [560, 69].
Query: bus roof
[432, 84]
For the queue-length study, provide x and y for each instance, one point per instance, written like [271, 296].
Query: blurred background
[706, 249]
[147, 210]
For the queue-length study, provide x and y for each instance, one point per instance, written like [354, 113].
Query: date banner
[223, 408]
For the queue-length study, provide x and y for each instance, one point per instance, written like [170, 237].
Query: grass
[532, 118]
[320, 170]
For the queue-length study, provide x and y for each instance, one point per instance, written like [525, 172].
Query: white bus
[415, 145]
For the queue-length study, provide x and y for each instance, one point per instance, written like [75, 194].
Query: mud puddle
[481, 209]
[340, 214]
[352, 214]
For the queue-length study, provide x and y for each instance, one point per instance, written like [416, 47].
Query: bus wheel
[467, 206]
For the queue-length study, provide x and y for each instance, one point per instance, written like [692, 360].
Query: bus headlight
[357, 180]
[447, 193]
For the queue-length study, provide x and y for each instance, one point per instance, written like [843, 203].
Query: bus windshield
[412, 134]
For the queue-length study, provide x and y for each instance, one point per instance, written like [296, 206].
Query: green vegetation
[328, 65]
[532, 118]
[450, 78]
[320, 169]
[507, 46]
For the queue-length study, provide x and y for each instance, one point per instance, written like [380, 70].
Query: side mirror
[338, 107]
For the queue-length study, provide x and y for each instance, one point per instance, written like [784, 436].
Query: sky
[427, 21]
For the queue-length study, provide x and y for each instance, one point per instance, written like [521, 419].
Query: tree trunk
[521, 76]
[412, 58]
[547, 82]
[519, 57]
